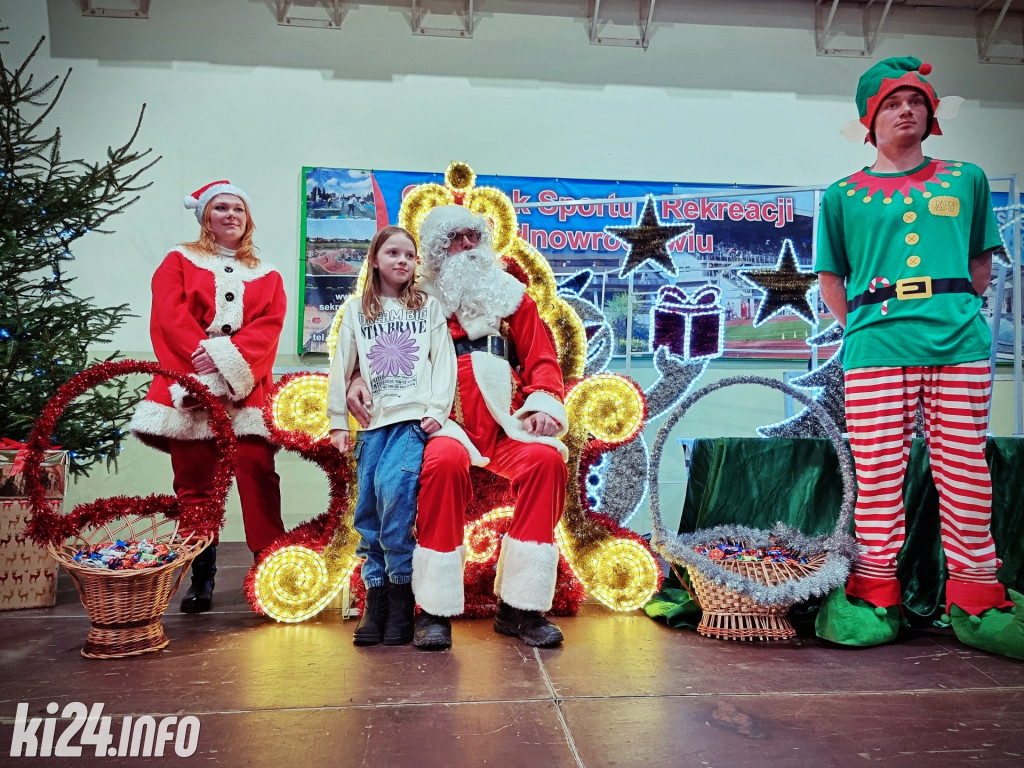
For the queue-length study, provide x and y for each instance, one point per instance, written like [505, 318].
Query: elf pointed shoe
[370, 629]
[529, 626]
[851, 621]
[432, 632]
[199, 597]
[997, 630]
[398, 629]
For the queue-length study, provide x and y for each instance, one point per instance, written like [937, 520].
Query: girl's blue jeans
[388, 461]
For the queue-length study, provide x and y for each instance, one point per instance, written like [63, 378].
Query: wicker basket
[726, 589]
[729, 615]
[125, 607]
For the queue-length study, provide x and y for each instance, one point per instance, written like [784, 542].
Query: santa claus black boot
[529, 626]
[432, 632]
[199, 597]
[398, 629]
[370, 629]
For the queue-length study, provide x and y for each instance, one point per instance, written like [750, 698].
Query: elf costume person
[507, 416]
[904, 252]
[217, 314]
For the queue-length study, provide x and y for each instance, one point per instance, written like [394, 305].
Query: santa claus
[507, 417]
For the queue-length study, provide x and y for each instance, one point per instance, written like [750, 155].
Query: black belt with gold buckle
[493, 345]
[911, 288]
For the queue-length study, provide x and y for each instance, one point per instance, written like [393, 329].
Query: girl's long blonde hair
[207, 244]
[408, 297]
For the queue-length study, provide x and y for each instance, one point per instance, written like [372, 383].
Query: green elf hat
[885, 77]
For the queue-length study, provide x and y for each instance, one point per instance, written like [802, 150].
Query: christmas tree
[46, 331]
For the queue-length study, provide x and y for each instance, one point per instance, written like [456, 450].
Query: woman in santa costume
[217, 314]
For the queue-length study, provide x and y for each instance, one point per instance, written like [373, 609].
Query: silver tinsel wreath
[839, 547]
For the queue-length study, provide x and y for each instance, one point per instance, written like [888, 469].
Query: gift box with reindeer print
[28, 575]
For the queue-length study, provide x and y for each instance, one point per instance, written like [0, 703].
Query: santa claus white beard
[467, 284]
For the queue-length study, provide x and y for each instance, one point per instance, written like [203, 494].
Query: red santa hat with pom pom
[199, 199]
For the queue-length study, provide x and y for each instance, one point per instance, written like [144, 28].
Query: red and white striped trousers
[881, 403]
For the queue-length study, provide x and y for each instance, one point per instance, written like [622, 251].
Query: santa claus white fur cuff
[234, 368]
[526, 574]
[437, 580]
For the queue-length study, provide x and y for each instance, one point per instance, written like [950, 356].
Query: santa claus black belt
[493, 345]
[911, 288]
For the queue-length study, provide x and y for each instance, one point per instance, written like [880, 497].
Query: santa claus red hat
[199, 199]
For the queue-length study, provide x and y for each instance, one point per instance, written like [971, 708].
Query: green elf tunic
[903, 241]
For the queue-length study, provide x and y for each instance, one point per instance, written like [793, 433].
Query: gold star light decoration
[786, 288]
[648, 240]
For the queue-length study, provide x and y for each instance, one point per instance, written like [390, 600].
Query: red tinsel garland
[317, 532]
[204, 519]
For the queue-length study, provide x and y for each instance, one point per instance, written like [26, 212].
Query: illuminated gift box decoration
[688, 326]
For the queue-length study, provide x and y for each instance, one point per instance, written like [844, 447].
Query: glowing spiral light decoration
[295, 584]
[299, 406]
[629, 574]
[305, 568]
[608, 406]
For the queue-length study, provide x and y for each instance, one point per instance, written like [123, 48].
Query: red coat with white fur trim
[491, 398]
[232, 311]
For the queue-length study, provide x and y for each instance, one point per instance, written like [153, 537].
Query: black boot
[529, 626]
[370, 629]
[401, 606]
[432, 632]
[199, 597]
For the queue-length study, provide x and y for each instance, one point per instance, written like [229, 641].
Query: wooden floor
[622, 691]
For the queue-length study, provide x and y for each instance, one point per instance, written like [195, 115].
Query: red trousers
[538, 477]
[881, 404]
[259, 486]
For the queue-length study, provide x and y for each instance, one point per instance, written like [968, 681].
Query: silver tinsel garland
[839, 547]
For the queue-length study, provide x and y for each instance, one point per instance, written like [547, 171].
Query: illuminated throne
[303, 571]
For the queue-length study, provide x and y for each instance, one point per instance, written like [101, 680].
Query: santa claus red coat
[236, 314]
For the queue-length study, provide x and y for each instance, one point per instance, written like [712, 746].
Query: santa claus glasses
[471, 235]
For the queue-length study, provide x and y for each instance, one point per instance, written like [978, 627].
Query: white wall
[230, 94]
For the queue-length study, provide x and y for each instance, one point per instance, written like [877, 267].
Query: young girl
[397, 338]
